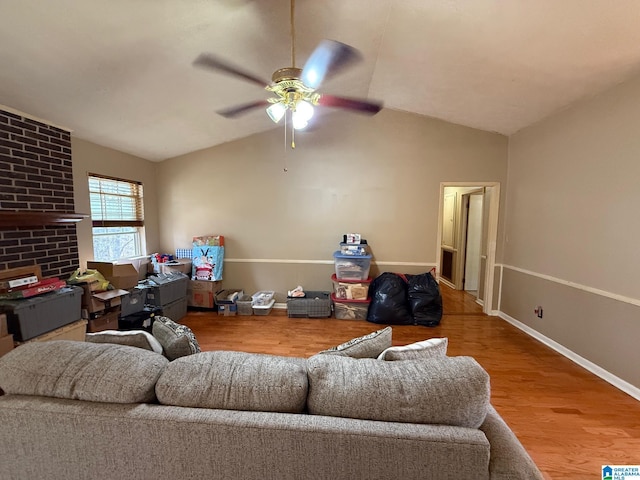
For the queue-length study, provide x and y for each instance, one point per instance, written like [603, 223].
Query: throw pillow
[367, 346]
[82, 371]
[176, 340]
[132, 338]
[235, 381]
[447, 391]
[432, 348]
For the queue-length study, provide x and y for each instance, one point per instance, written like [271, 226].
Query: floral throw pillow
[177, 340]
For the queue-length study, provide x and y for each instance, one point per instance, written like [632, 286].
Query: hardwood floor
[570, 421]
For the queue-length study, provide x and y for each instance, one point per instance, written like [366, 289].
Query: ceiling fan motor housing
[287, 73]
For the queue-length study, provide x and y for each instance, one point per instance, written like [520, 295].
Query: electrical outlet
[538, 311]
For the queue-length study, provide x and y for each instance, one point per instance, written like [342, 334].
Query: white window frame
[117, 215]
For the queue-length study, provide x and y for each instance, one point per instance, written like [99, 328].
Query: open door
[472, 245]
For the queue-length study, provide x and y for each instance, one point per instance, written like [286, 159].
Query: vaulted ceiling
[119, 72]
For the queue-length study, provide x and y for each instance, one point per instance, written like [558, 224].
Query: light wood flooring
[570, 421]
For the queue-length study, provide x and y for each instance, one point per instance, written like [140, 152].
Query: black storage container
[142, 320]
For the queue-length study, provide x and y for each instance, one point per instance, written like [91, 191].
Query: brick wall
[36, 174]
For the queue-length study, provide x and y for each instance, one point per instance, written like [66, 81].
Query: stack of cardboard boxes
[102, 308]
[6, 339]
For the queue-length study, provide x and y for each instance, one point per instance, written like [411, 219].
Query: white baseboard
[617, 382]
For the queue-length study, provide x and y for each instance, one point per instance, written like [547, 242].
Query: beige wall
[91, 158]
[379, 176]
[571, 224]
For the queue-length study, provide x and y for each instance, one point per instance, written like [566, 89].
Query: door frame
[491, 240]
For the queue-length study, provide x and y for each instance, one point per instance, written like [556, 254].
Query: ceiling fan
[295, 89]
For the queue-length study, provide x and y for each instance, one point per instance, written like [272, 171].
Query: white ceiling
[118, 72]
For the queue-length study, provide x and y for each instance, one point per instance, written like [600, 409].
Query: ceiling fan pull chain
[293, 132]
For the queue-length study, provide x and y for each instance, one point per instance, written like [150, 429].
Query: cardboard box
[4, 331]
[201, 299]
[6, 344]
[228, 309]
[181, 265]
[74, 331]
[108, 321]
[201, 293]
[93, 302]
[120, 275]
[204, 286]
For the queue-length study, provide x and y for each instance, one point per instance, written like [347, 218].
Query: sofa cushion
[132, 338]
[235, 381]
[432, 348]
[366, 346]
[177, 340]
[94, 372]
[449, 390]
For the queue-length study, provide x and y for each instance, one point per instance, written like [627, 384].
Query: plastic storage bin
[262, 298]
[353, 248]
[264, 309]
[350, 309]
[74, 331]
[245, 304]
[133, 301]
[313, 305]
[27, 318]
[175, 310]
[350, 289]
[352, 267]
[166, 288]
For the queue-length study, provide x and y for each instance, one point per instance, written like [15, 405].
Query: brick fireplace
[36, 181]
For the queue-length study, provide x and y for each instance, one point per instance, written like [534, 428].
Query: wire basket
[313, 305]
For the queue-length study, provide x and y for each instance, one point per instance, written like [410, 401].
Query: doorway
[467, 238]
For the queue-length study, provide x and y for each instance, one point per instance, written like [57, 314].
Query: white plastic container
[262, 298]
[264, 309]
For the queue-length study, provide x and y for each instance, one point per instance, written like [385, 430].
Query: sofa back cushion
[235, 381]
[449, 391]
[132, 338]
[95, 372]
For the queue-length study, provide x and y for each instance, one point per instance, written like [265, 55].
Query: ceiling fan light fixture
[302, 114]
[276, 111]
[304, 109]
[298, 122]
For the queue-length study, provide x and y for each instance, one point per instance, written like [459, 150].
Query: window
[117, 215]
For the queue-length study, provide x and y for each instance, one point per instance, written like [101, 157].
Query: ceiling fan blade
[211, 62]
[329, 58]
[238, 110]
[361, 106]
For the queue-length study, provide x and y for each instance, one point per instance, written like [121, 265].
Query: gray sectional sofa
[79, 410]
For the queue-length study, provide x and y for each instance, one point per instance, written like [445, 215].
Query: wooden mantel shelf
[31, 218]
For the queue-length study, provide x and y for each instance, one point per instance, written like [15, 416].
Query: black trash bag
[425, 300]
[389, 303]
